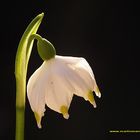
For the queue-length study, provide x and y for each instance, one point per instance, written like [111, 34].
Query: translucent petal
[58, 90]
[81, 75]
[84, 70]
[36, 91]
[76, 61]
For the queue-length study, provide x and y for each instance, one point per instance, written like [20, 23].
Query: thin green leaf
[23, 53]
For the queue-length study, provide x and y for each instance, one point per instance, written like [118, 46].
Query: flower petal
[58, 91]
[81, 67]
[80, 75]
[84, 70]
[36, 92]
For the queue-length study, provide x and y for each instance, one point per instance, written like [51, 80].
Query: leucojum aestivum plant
[54, 83]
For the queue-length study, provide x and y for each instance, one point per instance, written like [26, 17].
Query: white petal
[76, 61]
[80, 74]
[84, 70]
[36, 91]
[59, 91]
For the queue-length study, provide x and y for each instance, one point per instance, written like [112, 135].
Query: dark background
[102, 31]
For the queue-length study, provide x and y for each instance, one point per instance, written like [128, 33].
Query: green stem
[20, 108]
[29, 47]
[20, 123]
[21, 63]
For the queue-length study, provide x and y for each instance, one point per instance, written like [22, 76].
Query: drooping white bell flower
[56, 81]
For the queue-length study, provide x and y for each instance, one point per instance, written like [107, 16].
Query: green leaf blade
[23, 52]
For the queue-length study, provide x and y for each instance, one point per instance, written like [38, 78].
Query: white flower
[56, 81]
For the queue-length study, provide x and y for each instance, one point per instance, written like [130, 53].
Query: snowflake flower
[56, 81]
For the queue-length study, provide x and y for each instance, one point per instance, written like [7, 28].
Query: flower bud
[45, 49]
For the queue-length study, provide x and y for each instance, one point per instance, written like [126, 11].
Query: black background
[102, 31]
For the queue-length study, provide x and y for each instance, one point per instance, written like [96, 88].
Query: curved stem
[36, 36]
[21, 63]
[29, 46]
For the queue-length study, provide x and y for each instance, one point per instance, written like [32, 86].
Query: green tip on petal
[45, 49]
[64, 111]
[91, 98]
[38, 119]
